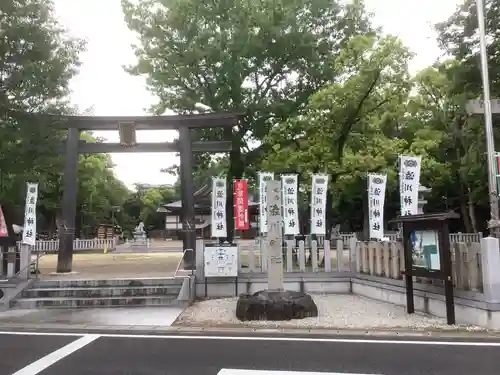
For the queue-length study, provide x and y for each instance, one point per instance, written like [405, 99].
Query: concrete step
[160, 281]
[83, 302]
[96, 292]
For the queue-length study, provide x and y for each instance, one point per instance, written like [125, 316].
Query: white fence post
[314, 256]
[24, 261]
[340, 255]
[289, 255]
[327, 256]
[302, 256]
[490, 258]
[353, 254]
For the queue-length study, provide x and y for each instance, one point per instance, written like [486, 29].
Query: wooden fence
[311, 256]
[385, 259]
[52, 246]
[454, 237]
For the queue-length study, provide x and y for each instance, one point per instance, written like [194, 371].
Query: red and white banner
[241, 205]
[4, 232]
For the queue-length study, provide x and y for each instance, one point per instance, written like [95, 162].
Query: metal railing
[180, 262]
[191, 275]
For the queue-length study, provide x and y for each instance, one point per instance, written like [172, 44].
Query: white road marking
[230, 371]
[264, 338]
[47, 361]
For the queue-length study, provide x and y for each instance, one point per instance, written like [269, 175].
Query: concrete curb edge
[245, 331]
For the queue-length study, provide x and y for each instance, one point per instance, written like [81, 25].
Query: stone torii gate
[127, 127]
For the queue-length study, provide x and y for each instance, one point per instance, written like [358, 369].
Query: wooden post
[70, 178]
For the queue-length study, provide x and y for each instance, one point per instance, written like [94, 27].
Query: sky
[103, 84]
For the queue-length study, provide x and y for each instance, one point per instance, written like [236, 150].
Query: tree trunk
[472, 212]
[465, 215]
[366, 218]
[236, 170]
[329, 209]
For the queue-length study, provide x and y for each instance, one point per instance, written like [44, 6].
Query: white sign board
[263, 178]
[376, 197]
[289, 185]
[318, 204]
[219, 198]
[409, 182]
[221, 261]
[29, 231]
[476, 107]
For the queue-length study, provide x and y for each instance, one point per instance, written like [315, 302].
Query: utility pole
[488, 123]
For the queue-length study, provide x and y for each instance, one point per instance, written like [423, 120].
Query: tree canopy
[38, 59]
[323, 90]
[319, 87]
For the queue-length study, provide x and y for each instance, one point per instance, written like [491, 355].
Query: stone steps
[158, 281]
[113, 291]
[86, 302]
[100, 293]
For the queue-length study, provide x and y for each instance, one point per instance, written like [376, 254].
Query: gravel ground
[335, 312]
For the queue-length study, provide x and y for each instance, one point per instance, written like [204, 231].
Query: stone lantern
[421, 199]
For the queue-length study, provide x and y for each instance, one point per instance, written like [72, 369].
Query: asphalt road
[48, 354]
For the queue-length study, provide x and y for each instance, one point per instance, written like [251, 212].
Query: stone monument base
[275, 305]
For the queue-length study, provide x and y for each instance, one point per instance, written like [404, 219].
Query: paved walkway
[94, 354]
[118, 318]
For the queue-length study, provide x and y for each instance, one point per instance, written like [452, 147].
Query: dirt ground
[137, 265]
[94, 266]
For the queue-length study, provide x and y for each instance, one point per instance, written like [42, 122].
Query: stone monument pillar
[275, 303]
[274, 239]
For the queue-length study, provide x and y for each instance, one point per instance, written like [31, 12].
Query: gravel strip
[338, 311]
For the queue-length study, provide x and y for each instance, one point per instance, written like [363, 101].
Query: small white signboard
[221, 260]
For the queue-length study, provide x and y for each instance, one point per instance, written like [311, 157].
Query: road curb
[246, 331]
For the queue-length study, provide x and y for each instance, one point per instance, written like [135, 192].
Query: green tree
[37, 60]
[347, 129]
[202, 172]
[99, 192]
[457, 81]
[143, 203]
[451, 142]
[263, 59]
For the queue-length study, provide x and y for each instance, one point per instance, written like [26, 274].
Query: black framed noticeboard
[427, 254]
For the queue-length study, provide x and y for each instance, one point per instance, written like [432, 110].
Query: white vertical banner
[409, 182]
[376, 199]
[263, 178]
[289, 184]
[29, 230]
[319, 188]
[219, 199]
